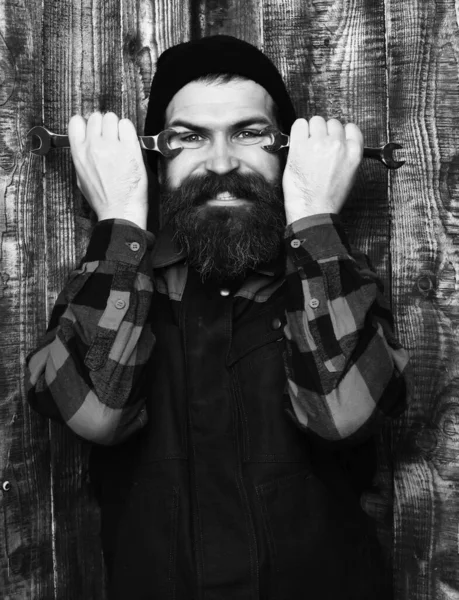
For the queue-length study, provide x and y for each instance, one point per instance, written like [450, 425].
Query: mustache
[197, 189]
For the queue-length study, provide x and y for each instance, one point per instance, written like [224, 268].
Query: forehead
[216, 104]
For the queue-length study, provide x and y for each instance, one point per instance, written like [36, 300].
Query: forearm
[91, 364]
[345, 367]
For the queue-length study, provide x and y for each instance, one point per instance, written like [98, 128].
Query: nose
[221, 157]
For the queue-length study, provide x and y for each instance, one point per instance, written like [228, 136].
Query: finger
[110, 126]
[317, 127]
[94, 126]
[127, 132]
[353, 132]
[354, 137]
[335, 129]
[77, 130]
[298, 134]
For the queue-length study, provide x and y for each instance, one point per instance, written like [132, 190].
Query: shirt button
[224, 292]
[120, 303]
[134, 246]
[276, 324]
[314, 303]
[295, 243]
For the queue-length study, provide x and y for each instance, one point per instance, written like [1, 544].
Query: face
[224, 199]
[220, 111]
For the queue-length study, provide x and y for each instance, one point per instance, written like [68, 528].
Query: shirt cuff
[118, 240]
[318, 237]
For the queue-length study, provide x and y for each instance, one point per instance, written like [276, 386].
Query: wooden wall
[389, 66]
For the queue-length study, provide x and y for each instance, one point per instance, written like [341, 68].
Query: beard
[224, 242]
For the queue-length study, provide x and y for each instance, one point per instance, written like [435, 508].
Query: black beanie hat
[217, 54]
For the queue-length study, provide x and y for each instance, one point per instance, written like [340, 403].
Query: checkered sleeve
[346, 371]
[89, 370]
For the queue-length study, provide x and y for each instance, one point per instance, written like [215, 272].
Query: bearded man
[226, 367]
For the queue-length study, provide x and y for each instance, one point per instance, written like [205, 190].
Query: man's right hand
[109, 165]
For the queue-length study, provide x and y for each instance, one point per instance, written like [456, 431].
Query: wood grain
[82, 58]
[148, 28]
[25, 536]
[423, 55]
[240, 18]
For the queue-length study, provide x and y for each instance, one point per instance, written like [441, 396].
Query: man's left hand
[321, 167]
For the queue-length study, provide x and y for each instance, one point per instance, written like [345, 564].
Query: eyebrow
[256, 120]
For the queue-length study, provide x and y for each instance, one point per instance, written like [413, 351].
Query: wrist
[299, 212]
[139, 218]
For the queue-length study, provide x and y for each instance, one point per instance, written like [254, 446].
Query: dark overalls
[222, 497]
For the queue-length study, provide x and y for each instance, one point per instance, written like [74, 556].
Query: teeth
[225, 196]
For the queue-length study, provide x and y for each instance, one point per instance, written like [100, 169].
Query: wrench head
[388, 159]
[279, 139]
[44, 137]
[163, 143]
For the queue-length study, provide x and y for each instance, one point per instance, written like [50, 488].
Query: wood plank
[240, 18]
[83, 73]
[148, 29]
[423, 59]
[25, 501]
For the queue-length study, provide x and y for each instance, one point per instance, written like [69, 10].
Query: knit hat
[219, 54]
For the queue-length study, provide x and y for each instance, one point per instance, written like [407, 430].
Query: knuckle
[336, 145]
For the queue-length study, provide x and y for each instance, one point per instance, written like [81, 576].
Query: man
[223, 367]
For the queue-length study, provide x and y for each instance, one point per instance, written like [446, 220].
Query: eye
[190, 137]
[248, 134]
[186, 139]
[250, 137]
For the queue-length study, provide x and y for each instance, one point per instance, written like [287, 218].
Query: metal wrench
[384, 154]
[50, 140]
[158, 142]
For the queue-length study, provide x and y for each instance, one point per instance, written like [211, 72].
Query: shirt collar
[166, 252]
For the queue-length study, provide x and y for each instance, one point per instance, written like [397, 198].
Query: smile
[225, 199]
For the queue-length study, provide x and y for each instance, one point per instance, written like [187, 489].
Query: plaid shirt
[345, 370]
